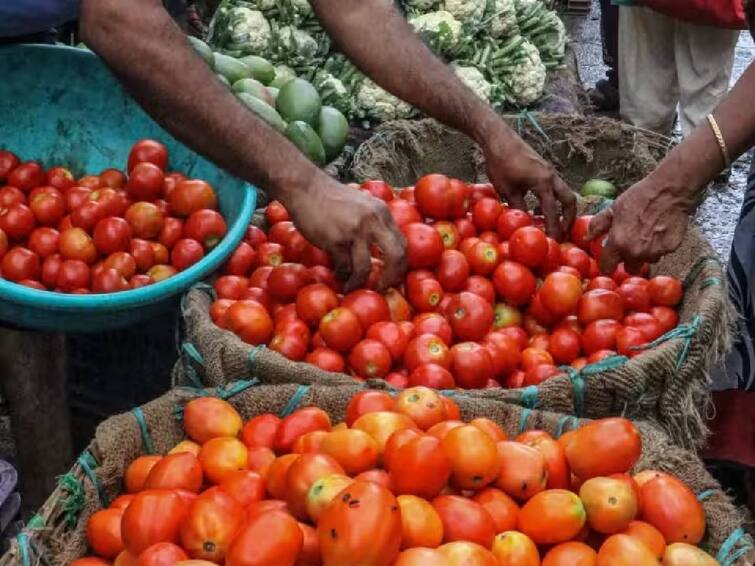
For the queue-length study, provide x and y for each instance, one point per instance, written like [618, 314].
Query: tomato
[206, 418]
[391, 336]
[472, 365]
[354, 450]
[482, 258]
[648, 535]
[564, 345]
[249, 321]
[326, 359]
[48, 209]
[600, 304]
[485, 213]
[145, 182]
[369, 307]
[137, 472]
[43, 241]
[623, 550]
[423, 405]
[431, 375]
[453, 271]
[269, 539]
[260, 430]
[449, 233]
[433, 195]
[378, 189]
[602, 282]
[381, 425]
[145, 219]
[186, 253]
[370, 359]
[473, 455]
[176, 471]
[396, 441]
[603, 447]
[529, 246]
[458, 199]
[152, 516]
[559, 475]
[433, 323]
[121, 502]
[665, 291]
[207, 226]
[298, 423]
[600, 335]
[561, 293]
[10, 196]
[192, 195]
[681, 554]
[149, 151]
[464, 520]
[19, 264]
[523, 471]
[103, 532]
[314, 301]
[504, 353]
[138, 281]
[222, 456]
[212, 522]
[672, 508]
[470, 316]
[421, 525]
[275, 212]
[161, 554]
[514, 283]
[340, 329]
[367, 402]
[403, 212]
[666, 317]
[463, 553]
[629, 340]
[17, 221]
[610, 504]
[27, 176]
[269, 253]
[112, 235]
[424, 245]
[532, 357]
[304, 472]
[552, 516]
[419, 467]
[275, 478]
[571, 554]
[427, 349]
[8, 162]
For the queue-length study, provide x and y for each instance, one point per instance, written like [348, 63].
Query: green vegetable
[203, 50]
[333, 129]
[232, 69]
[306, 139]
[283, 74]
[264, 111]
[273, 92]
[223, 80]
[262, 69]
[299, 100]
[255, 88]
[598, 187]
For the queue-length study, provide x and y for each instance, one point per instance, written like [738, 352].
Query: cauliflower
[501, 18]
[523, 81]
[247, 31]
[473, 79]
[420, 6]
[550, 38]
[303, 8]
[333, 92]
[291, 42]
[466, 11]
[439, 29]
[262, 5]
[378, 104]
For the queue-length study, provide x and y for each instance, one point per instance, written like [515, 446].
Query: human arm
[152, 58]
[649, 219]
[374, 35]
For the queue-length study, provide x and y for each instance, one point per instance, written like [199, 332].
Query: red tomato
[419, 467]
[42, 241]
[391, 336]
[579, 230]
[510, 220]
[370, 359]
[8, 162]
[145, 219]
[432, 375]
[192, 195]
[466, 228]
[17, 221]
[600, 335]
[564, 345]
[481, 190]
[206, 226]
[635, 296]
[453, 271]
[186, 253]
[600, 304]
[103, 531]
[434, 196]
[286, 280]
[424, 245]
[665, 291]
[112, 178]
[649, 326]
[276, 212]
[666, 316]
[112, 235]
[315, 301]
[149, 151]
[504, 352]
[250, 321]
[27, 176]
[672, 508]
[379, 189]
[296, 424]
[241, 261]
[433, 323]
[472, 365]
[485, 213]
[482, 258]
[152, 516]
[602, 282]
[560, 293]
[369, 307]
[426, 295]
[482, 287]
[427, 349]
[340, 329]
[368, 402]
[620, 274]
[271, 538]
[458, 198]
[464, 520]
[529, 246]
[326, 359]
[108, 281]
[145, 182]
[449, 234]
[403, 212]
[514, 283]
[75, 243]
[576, 258]
[628, 341]
[48, 208]
[255, 236]
[470, 315]
[467, 244]
[10, 196]
[260, 277]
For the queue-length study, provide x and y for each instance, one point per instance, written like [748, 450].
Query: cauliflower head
[466, 11]
[439, 29]
[473, 79]
[302, 8]
[501, 18]
[293, 42]
[378, 104]
[419, 6]
[261, 5]
[333, 92]
[523, 82]
[248, 31]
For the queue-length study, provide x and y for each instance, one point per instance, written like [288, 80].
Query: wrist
[293, 183]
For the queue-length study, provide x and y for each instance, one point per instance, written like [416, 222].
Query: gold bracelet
[720, 139]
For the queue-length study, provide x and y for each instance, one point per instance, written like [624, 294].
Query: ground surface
[718, 213]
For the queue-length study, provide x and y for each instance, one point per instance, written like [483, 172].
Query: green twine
[87, 463]
[523, 419]
[603, 204]
[296, 398]
[710, 282]
[529, 397]
[252, 356]
[233, 389]
[606, 364]
[697, 269]
[727, 556]
[526, 115]
[703, 495]
[223, 393]
[23, 546]
[578, 387]
[146, 440]
[562, 423]
[685, 332]
[74, 502]
[36, 522]
[190, 350]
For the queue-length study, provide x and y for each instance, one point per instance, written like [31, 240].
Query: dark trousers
[609, 32]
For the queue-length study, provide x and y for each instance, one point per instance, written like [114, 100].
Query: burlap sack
[57, 535]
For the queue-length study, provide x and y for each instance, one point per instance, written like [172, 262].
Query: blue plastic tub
[60, 105]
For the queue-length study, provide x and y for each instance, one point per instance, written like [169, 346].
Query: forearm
[152, 58]
[375, 36]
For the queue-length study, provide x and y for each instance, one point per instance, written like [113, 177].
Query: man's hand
[645, 223]
[514, 168]
[345, 223]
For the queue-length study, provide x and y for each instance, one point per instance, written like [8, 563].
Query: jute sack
[57, 534]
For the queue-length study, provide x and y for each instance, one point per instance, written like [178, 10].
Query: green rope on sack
[89, 464]
[74, 502]
[143, 430]
[23, 547]
[578, 387]
[296, 398]
[529, 398]
[523, 419]
[686, 332]
[253, 355]
[526, 115]
[710, 282]
[562, 424]
[697, 269]
[603, 204]
[703, 495]
[727, 556]
[191, 350]
[233, 389]
[223, 393]
[189, 354]
[606, 364]
[36, 522]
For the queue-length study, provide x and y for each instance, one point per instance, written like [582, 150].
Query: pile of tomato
[103, 233]
[489, 300]
[402, 481]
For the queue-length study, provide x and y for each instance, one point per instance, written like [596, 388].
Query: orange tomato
[185, 446]
[486, 425]
[473, 456]
[421, 557]
[122, 501]
[452, 409]
[104, 532]
[220, 457]
[648, 535]
[671, 507]
[629, 481]
[368, 402]
[381, 425]
[559, 475]
[419, 467]
[270, 539]
[512, 548]
[260, 507]
[610, 504]
[603, 447]
[298, 423]
[213, 520]
[463, 553]
[137, 472]
[552, 516]
[641, 478]
[422, 404]
[260, 459]
[153, 516]
[464, 519]
[420, 523]
[571, 554]
[682, 554]
[503, 510]
[310, 548]
[210, 417]
[353, 449]
[322, 492]
[379, 477]
[260, 431]
[440, 430]
[162, 554]
[361, 526]
[305, 471]
[125, 558]
[90, 561]
[244, 486]
[396, 441]
[523, 472]
[309, 442]
[623, 550]
[176, 471]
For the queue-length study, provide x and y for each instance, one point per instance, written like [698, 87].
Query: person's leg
[647, 74]
[704, 58]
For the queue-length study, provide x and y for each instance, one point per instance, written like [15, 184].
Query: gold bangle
[720, 139]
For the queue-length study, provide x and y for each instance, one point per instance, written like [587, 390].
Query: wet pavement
[718, 213]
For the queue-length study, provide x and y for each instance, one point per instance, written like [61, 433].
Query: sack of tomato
[287, 474]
